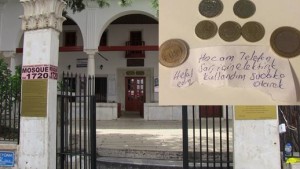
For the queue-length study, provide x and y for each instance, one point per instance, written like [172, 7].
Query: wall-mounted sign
[7, 159]
[255, 112]
[39, 72]
[81, 62]
[156, 85]
[34, 98]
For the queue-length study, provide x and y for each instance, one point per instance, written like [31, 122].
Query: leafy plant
[10, 89]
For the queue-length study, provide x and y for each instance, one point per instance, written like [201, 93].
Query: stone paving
[138, 134]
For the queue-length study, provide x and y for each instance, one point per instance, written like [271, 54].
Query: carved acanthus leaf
[42, 14]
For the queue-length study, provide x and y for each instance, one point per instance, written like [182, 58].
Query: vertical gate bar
[75, 119]
[214, 136]
[185, 143]
[207, 146]
[200, 133]
[227, 137]
[221, 142]
[93, 132]
[19, 118]
[84, 120]
[5, 111]
[298, 127]
[14, 110]
[194, 139]
[80, 119]
[10, 111]
[88, 121]
[71, 119]
[1, 104]
[62, 124]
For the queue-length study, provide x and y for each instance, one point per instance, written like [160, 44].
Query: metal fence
[9, 112]
[208, 142]
[290, 116]
[76, 133]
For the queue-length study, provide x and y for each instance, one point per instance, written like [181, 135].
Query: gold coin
[230, 31]
[173, 52]
[253, 31]
[206, 29]
[285, 41]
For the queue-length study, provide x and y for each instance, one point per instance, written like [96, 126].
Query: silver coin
[253, 31]
[285, 41]
[210, 8]
[230, 31]
[206, 29]
[173, 52]
[244, 8]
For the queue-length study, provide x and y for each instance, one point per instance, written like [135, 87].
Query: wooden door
[135, 94]
[211, 111]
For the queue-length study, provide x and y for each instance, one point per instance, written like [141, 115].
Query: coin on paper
[253, 31]
[206, 29]
[244, 8]
[173, 52]
[285, 41]
[210, 8]
[230, 31]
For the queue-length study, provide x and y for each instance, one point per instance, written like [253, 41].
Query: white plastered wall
[91, 23]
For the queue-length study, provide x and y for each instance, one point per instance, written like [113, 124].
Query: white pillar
[12, 57]
[42, 23]
[91, 61]
[2, 3]
[256, 142]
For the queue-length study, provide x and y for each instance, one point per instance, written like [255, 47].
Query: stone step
[163, 155]
[129, 163]
[140, 154]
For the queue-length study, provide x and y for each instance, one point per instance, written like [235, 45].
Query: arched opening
[71, 37]
[128, 50]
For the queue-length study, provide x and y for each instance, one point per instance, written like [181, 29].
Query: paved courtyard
[138, 134]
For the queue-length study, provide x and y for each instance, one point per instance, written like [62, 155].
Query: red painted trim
[61, 49]
[103, 48]
[128, 48]
[71, 49]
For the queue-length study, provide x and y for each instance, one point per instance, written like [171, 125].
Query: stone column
[12, 57]
[256, 139]
[42, 23]
[2, 3]
[91, 61]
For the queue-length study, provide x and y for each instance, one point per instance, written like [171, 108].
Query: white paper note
[255, 67]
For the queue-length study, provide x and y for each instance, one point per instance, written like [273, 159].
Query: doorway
[211, 111]
[135, 94]
[101, 89]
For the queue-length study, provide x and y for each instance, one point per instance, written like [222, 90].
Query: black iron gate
[207, 140]
[76, 132]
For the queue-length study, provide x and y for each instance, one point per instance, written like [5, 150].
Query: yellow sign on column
[34, 98]
[255, 112]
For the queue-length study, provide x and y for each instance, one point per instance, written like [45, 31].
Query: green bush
[10, 91]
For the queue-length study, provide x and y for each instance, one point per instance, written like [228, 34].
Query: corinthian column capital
[42, 14]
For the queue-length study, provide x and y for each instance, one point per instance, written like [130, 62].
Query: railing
[290, 116]
[207, 143]
[76, 133]
[135, 53]
[9, 112]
